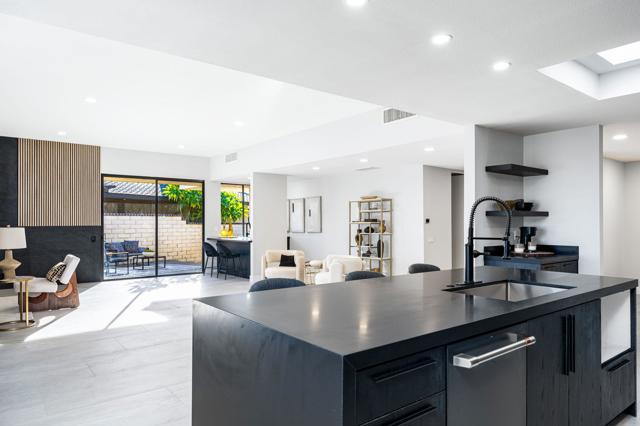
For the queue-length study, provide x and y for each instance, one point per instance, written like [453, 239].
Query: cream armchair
[335, 267]
[271, 265]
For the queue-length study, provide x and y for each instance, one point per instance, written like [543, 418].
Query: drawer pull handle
[470, 361]
[392, 374]
[618, 366]
[412, 416]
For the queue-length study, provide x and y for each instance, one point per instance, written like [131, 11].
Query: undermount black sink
[509, 291]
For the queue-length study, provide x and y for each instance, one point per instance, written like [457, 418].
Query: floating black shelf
[518, 213]
[516, 170]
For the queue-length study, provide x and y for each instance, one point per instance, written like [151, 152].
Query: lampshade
[12, 238]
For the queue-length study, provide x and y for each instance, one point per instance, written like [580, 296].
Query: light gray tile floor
[122, 358]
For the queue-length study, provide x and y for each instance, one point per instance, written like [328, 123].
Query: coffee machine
[526, 235]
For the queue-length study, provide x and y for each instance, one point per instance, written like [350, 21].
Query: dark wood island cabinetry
[377, 352]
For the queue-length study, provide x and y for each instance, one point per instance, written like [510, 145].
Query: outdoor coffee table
[144, 256]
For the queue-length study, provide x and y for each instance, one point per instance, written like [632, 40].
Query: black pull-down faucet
[469, 252]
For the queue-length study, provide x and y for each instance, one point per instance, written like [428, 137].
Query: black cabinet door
[563, 368]
[547, 378]
[585, 377]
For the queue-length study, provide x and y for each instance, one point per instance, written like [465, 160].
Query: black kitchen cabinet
[618, 386]
[563, 368]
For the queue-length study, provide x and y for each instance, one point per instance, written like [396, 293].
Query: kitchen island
[410, 350]
[241, 246]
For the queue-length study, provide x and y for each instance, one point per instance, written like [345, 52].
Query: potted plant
[231, 210]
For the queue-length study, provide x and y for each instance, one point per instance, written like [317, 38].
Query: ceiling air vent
[230, 158]
[393, 114]
[366, 169]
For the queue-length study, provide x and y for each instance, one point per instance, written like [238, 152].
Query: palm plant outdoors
[189, 201]
[231, 209]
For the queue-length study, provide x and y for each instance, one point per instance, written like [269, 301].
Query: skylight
[620, 55]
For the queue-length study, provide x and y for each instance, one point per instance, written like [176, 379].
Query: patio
[173, 267]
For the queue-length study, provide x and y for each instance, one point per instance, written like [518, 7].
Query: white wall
[151, 164]
[437, 208]
[630, 259]
[572, 192]
[268, 217]
[457, 221]
[614, 225]
[487, 147]
[402, 184]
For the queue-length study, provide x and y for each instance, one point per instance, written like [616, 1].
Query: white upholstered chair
[271, 265]
[336, 267]
[45, 295]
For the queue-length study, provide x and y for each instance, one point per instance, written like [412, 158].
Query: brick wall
[177, 239]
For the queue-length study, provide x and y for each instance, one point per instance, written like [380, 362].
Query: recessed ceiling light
[238, 123]
[441, 39]
[356, 3]
[620, 137]
[620, 55]
[501, 65]
[62, 133]
[429, 149]
[315, 168]
[364, 160]
[90, 100]
[180, 146]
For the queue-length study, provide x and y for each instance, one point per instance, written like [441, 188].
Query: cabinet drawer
[393, 385]
[618, 385]
[427, 412]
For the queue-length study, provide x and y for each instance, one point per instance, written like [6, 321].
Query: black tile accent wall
[48, 245]
[8, 181]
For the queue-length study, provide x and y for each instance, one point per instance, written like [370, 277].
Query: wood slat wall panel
[58, 184]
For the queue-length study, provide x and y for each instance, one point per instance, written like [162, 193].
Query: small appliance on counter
[527, 237]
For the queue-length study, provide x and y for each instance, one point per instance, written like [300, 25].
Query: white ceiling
[381, 53]
[338, 146]
[146, 100]
[448, 153]
[626, 150]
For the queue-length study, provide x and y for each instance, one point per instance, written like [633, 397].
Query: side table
[23, 299]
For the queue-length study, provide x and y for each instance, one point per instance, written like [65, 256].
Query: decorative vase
[383, 227]
[358, 239]
[380, 247]
[229, 230]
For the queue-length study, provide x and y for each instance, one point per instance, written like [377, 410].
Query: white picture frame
[313, 214]
[296, 215]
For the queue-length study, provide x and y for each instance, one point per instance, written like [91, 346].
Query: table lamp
[10, 239]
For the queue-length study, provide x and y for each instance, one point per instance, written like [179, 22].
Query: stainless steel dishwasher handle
[472, 361]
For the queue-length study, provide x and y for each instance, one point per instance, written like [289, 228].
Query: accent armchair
[336, 267]
[45, 295]
[271, 265]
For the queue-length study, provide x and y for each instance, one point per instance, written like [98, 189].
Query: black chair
[362, 275]
[210, 253]
[418, 268]
[275, 284]
[226, 256]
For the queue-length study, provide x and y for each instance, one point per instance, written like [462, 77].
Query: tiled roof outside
[132, 188]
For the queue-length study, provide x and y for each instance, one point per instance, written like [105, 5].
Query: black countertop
[232, 239]
[365, 317]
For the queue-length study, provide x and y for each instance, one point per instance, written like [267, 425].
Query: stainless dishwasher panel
[487, 379]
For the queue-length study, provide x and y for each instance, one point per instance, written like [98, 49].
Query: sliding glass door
[152, 226]
[180, 227]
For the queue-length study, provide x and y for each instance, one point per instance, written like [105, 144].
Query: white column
[268, 217]
[212, 208]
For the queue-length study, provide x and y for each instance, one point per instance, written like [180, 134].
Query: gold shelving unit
[371, 219]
